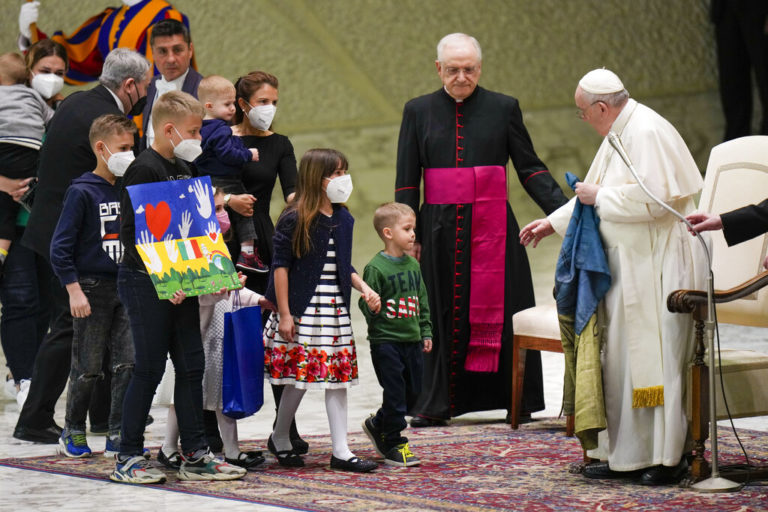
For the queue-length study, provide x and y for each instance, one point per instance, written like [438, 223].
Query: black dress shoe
[286, 458]
[354, 464]
[48, 435]
[421, 421]
[247, 460]
[603, 471]
[665, 475]
[299, 445]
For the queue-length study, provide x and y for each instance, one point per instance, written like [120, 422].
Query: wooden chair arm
[687, 301]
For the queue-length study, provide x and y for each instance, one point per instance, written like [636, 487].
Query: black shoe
[601, 470]
[374, 434]
[354, 464]
[286, 458]
[172, 461]
[299, 445]
[665, 475]
[150, 420]
[48, 435]
[422, 421]
[247, 460]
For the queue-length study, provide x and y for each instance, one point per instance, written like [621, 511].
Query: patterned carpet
[477, 466]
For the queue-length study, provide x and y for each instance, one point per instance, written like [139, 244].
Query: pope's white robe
[650, 254]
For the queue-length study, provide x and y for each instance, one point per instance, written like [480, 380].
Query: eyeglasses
[469, 71]
[581, 113]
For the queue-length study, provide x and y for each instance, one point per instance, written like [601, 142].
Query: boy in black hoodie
[85, 252]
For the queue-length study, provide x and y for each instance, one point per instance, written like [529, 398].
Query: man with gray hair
[66, 154]
[460, 138]
[645, 348]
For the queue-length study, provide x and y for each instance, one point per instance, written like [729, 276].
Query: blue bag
[243, 354]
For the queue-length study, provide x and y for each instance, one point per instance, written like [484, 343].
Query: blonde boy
[85, 252]
[399, 331]
[160, 327]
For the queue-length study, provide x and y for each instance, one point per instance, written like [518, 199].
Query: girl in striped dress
[308, 341]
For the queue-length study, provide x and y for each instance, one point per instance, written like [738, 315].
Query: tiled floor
[26, 490]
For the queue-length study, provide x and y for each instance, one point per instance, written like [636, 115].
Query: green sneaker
[136, 470]
[208, 467]
[402, 456]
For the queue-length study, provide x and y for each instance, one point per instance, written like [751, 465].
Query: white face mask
[47, 84]
[261, 116]
[187, 149]
[118, 162]
[339, 188]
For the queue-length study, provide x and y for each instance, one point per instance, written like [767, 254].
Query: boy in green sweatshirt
[399, 331]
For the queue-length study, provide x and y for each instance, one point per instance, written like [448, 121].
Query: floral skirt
[322, 354]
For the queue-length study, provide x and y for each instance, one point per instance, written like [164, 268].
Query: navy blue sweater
[86, 241]
[223, 154]
[304, 272]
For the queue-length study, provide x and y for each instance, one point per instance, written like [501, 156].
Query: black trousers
[742, 47]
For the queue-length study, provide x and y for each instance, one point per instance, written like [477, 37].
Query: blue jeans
[106, 329]
[24, 295]
[159, 328]
[399, 368]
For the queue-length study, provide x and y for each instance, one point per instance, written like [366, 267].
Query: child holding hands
[308, 341]
[398, 331]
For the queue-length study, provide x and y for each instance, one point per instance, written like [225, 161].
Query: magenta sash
[485, 188]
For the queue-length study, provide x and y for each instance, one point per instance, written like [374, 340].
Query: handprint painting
[179, 239]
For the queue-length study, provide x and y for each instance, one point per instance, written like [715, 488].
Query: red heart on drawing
[158, 218]
[213, 236]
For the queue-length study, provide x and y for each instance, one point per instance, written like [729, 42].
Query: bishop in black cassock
[463, 126]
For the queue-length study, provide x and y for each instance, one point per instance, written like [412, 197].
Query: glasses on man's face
[581, 113]
[468, 71]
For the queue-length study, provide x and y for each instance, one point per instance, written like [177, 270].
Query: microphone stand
[715, 483]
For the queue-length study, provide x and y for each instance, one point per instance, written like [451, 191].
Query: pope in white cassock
[645, 348]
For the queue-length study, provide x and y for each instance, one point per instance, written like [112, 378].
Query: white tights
[335, 408]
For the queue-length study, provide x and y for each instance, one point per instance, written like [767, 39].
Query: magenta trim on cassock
[485, 187]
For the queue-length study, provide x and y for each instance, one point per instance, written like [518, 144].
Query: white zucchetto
[601, 81]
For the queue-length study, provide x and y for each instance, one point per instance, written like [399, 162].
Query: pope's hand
[586, 192]
[535, 231]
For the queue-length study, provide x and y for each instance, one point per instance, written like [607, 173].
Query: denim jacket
[304, 272]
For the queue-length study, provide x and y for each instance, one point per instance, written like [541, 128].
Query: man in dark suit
[172, 51]
[741, 33]
[738, 225]
[65, 155]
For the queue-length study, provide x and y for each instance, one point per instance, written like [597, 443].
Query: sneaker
[112, 448]
[251, 263]
[208, 467]
[402, 456]
[73, 444]
[21, 396]
[375, 435]
[172, 461]
[136, 470]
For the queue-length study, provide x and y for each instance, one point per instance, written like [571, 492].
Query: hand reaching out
[145, 244]
[186, 223]
[203, 199]
[178, 297]
[171, 249]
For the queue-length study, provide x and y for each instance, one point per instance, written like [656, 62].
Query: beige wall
[346, 67]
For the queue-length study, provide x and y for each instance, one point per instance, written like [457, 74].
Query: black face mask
[138, 107]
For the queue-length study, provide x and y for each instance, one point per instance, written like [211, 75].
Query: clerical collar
[117, 100]
[447, 95]
[621, 120]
